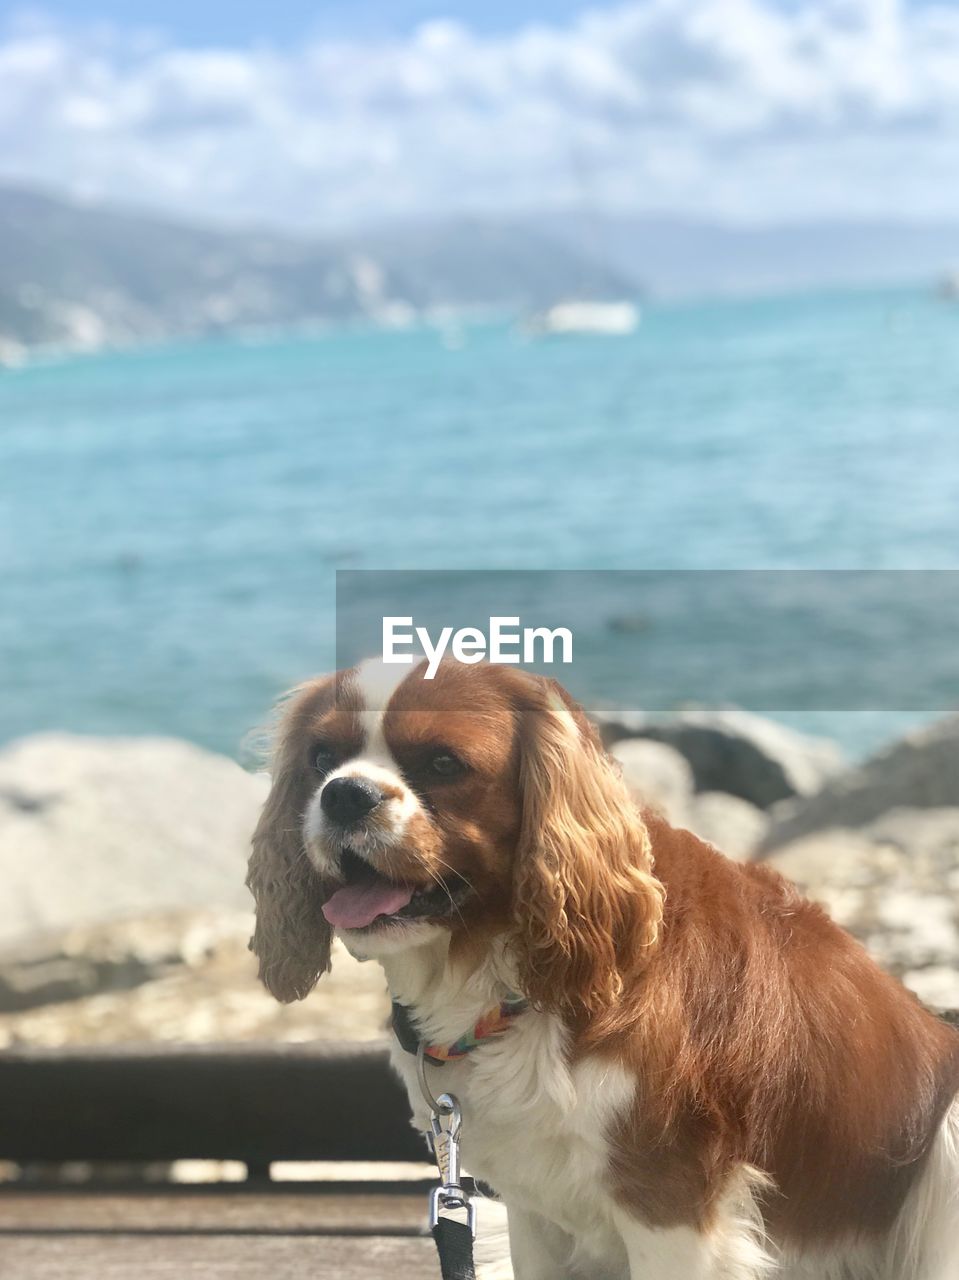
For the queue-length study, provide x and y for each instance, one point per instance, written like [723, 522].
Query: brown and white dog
[710, 1081]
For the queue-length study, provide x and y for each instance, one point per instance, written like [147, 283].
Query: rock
[894, 883]
[920, 771]
[656, 775]
[109, 957]
[937, 986]
[96, 828]
[733, 825]
[734, 751]
[203, 988]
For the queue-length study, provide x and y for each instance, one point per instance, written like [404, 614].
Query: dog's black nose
[346, 800]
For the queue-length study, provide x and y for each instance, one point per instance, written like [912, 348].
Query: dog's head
[479, 803]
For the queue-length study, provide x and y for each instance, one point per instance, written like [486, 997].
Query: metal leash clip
[444, 1138]
[446, 1121]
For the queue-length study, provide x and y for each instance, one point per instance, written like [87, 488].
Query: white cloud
[736, 108]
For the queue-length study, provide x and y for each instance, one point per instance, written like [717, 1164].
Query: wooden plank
[116, 1257]
[255, 1103]
[215, 1211]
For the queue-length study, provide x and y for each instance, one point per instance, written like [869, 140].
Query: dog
[671, 1066]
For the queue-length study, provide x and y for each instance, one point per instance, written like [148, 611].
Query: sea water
[171, 519]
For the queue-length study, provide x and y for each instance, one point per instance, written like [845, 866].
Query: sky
[197, 22]
[324, 116]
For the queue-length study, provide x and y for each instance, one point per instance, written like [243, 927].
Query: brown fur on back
[763, 1033]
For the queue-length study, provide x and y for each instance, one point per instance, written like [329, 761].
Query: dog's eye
[445, 765]
[323, 758]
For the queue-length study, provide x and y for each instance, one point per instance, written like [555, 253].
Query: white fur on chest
[534, 1128]
[538, 1129]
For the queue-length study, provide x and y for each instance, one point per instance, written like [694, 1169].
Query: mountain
[681, 257]
[86, 276]
[82, 275]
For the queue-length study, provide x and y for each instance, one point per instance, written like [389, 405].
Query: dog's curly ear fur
[586, 903]
[291, 938]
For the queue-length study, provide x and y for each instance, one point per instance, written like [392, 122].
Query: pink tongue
[357, 905]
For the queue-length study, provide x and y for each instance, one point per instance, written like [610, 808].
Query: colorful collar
[493, 1023]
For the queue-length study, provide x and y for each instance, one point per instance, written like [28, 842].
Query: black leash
[454, 1244]
[453, 1238]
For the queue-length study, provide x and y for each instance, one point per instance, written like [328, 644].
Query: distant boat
[948, 287]
[611, 319]
[12, 354]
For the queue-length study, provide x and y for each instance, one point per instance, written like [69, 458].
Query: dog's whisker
[446, 889]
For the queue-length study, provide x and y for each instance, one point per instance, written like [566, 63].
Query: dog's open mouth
[368, 897]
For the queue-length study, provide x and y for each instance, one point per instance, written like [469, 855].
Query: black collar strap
[403, 1028]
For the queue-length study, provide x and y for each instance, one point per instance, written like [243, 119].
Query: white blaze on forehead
[376, 682]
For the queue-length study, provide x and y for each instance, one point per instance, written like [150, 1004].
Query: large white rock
[734, 826]
[93, 829]
[657, 776]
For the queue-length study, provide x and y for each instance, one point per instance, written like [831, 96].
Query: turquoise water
[172, 518]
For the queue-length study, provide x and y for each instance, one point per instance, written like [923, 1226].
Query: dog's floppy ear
[291, 939]
[587, 906]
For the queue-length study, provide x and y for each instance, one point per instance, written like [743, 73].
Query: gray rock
[656, 775]
[733, 825]
[200, 986]
[118, 956]
[734, 751]
[894, 883]
[93, 829]
[920, 771]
